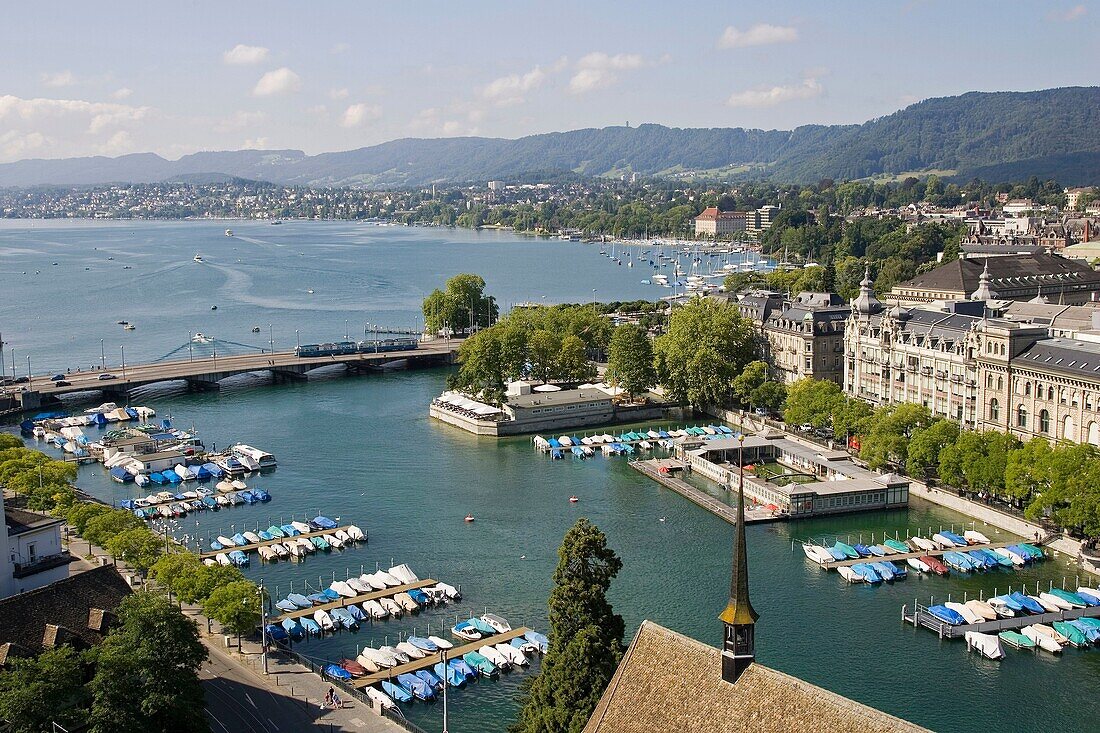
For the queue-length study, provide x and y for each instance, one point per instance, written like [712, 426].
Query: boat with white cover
[1045, 642]
[389, 580]
[849, 575]
[987, 645]
[403, 573]
[975, 537]
[816, 553]
[968, 614]
[922, 543]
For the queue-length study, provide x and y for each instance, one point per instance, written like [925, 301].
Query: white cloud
[807, 89]
[509, 90]
[239, 120]
[341, 93]
[280, 81]
[15, 145]
[58, 79]
[122, 93]
[445, 123]
[357, 114]
[100, 115]
[254, 143]
[340, 48]
[1077, 11]
[117, 144]
[598, 70]
[761, 34]
[64, 127]
[242, 55]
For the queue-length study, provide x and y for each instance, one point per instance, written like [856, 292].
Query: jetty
[362, 598]
[653, 469]
[920, 617]
[430, 660]
[279, 540]
[906, 555]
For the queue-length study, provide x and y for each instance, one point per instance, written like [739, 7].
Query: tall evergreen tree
[586, 637]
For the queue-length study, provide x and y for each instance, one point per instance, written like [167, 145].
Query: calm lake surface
[364, 450]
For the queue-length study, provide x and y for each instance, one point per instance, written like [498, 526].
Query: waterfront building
[669, 682]
[761, 219]
[813, 481]
[31, 550]
[77, 610]
[714, 223]
[1011, 277]
[805, 338]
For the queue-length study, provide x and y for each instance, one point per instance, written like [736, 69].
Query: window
[1021, 416]
[1044, 422]
[1027, 389]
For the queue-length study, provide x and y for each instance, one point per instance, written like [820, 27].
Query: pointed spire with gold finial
[739, 617]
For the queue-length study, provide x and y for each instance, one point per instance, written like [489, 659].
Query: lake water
[363, 449]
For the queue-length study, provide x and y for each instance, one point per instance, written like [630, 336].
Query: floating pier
[432, 658]
[279, 540]
[920, 617]
[906, 555]
[372, 596]
[651, 468]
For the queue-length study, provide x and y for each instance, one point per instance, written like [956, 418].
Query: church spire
[739, 617]
[984, 291]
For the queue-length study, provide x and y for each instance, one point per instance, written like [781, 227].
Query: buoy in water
[469, 517]
[573, 500]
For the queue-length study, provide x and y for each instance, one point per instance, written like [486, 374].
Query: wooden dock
[432, 658]
[372, 596]
[703, 499]
[279, 540]
[921, 617]
[906, 555]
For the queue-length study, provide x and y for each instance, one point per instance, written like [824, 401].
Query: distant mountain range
[997, 136]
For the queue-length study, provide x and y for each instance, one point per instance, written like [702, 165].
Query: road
[137, 374]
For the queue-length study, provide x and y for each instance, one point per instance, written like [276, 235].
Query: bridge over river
[202, 373]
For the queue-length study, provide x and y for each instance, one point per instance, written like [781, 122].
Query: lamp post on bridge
[347, 334]
[102, 356]
[30, 374]
[297, 343]
[190, 351]
[270, 339]
[123, 361]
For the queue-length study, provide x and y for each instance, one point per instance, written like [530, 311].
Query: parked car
[805, 427]
[106, 375]
[62, 383]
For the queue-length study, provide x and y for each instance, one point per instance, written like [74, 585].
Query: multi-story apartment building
[805, 337]
[715, 223]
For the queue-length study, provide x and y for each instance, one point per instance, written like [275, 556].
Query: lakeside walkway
[652, 468]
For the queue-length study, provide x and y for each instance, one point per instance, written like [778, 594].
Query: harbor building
[714, 223]
[669, 682]
[1011, 277]
[804, 482]
[530, 409]
[31, 550]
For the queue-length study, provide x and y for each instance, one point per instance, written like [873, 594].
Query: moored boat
[1016, 640]
[987, 645]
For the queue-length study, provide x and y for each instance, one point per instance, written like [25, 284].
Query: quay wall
[555, 423]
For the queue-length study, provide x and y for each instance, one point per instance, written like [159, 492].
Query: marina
[519, 497]
[359, 536]
[356, 600]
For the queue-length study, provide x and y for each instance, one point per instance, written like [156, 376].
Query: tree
[38, 691]
[170, 569]
[977, 461]
[236, 606]
[769, 395]
[751, 377]
[101, 528]
[461, 305]
[146, 678]
[543, 349]
[891, 428]
[707, 345]
[7, 440]
[81, 513]
[198, 586]
[926, 444]
[138, 546]
[630, 360]
[482, 368]
[851, 416]
[812, 401]
[586, 637]
[573, 363]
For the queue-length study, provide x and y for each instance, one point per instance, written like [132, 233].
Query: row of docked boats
[293, 540]
[426, 683]
[1014, 605]
[352, 613]
[166, 505]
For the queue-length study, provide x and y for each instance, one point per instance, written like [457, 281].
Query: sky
[121, 77]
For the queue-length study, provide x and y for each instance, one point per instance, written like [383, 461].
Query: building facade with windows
[805, 337]
[714, 223]
[33, 555]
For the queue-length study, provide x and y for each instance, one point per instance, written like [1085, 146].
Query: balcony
[41, 564]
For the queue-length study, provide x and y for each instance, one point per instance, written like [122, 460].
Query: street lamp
[102, 356]
[30, 375]
[263, 625]
[270, 339]
[123, 361]
[297, 340]
[190, 351]
[593, 300]
[347, 334]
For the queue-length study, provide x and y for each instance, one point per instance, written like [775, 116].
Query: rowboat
[987, 645]
[1016, 640]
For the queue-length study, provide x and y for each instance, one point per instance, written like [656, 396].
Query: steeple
[866, 303]
[739, 617]
[984, 292]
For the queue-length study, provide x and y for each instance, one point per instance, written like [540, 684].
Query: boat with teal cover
[482, 626]
[1001, 560]
[1091, 633]
[1036, 552]
[319, 543]
[276, 532]
[848, 550]
[480, 663]
[1016, 640]
[1077, 599]
[396, 691]
[1093, 622]
[1071, 632]
[897, 545]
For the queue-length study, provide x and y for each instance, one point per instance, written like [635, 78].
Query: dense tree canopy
[586, 637]
[38, 691]
[630, 360]
[460, 305]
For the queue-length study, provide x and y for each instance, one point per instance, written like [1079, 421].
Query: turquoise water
[364, 449]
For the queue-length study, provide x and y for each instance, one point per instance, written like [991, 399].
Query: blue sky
[121, 77]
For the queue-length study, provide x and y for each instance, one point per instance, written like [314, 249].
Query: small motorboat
[429, 679]
[848, 550]
[384, 701]
[573, 499]
[983, 609]
[411, 650]
[374, 610]
[524, 645]
[466, 630]
[468, 518]
[816, 553]
[917, 564]
[438, 641]
[896, 546]
[389, 580]
[963, 610]
[1088, 593]
[975, 537]
[426, 645]
[324, 620]
[299, 600]
[867, 572]
[1073, 635]
[1090, 630]
[406, 602]
[1057, 601]
[293, 628]
[1016, 640]
[312, 627]
[453, 676]
[391, 607]
[884, 571]
[343, 589]
[924, 544]
[539, 639]
[344, 618]
[396, 691]
[336, 672]
[460, 666]
[1043, 640]
[864, 550]
[1026, 602]
[934, 564]
[403, 573]
[371, 656]
[943, 542]
[353, 667]
[1004, 606]
[286, 605]
[511, 653]
[420, 689]
[849, 575]
[498, 624]
[1076, 600]
[479, 662]
[947, 615]
[400, 656]
[987, 645]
